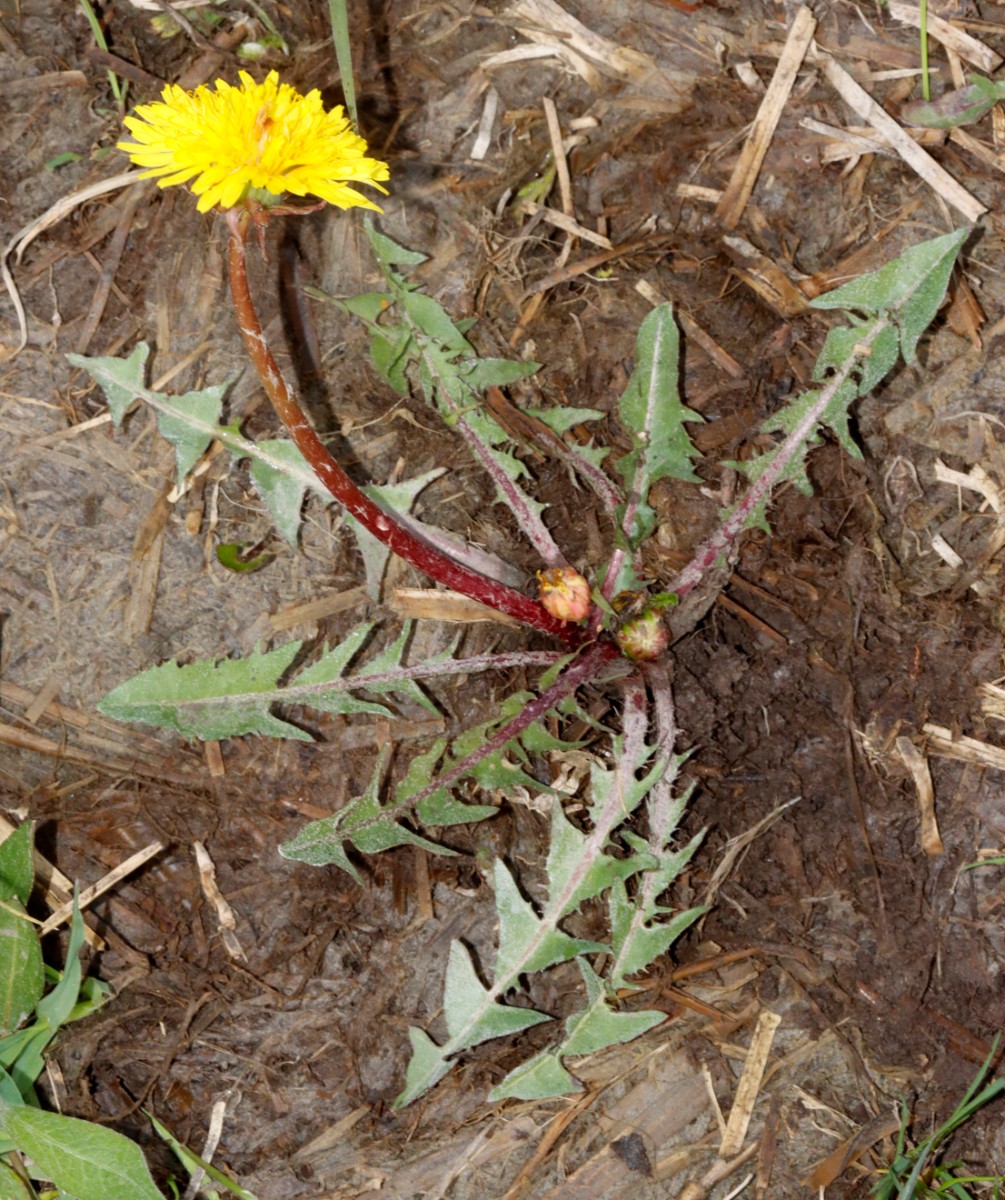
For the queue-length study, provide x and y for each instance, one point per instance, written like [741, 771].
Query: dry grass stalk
[21, 240]
[588, 53]
[567, 224]
[87, 897]
[694, 331]
[865, 107]
[24, 739]
[736, 846]
[988, 156]
[740, 186]
[977, 480]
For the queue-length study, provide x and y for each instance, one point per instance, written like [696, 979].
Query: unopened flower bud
[564, 593]
[644, 638]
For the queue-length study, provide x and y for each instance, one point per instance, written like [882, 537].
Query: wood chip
[957, 40]
[224, 913]
[439, 604]
[766, 278]
[917, 764]
[750, 1084]
[962, 749]
[316, 610]
[589, 54]
[558, 156]
[214, 759]
[483, 138]
[740, 186]
[948, 555]
[977, 480]
[694, 191]
[45, 695]
[864, 106]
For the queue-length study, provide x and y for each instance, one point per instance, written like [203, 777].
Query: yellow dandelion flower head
[259, 135]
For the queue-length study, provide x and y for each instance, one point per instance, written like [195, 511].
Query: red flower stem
[382, 524]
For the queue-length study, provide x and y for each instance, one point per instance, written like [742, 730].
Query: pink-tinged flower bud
[644, 638]
[564, 593]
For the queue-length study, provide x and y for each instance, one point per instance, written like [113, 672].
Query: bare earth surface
[844, 631]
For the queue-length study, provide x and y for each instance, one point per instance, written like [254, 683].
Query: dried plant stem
[759, 492]
[382, 524]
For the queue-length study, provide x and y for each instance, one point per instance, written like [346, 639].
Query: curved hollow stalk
[382, 524]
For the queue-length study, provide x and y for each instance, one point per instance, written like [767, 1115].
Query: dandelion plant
[260, 152]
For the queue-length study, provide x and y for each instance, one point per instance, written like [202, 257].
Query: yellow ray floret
[259, 135]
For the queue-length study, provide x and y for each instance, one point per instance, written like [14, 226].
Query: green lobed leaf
[651, 410]
[363, 823]
[598, 1025]
[208, 700]
[539, 1078]
[910, 288]
[283, 491]
[497, 771]
[21, 976]
[17, 870]
[426, 1067]
[526, 943]
[320, 844]
[181, 428]
[368, 306]
[441, 807]
[388, 252]
[964, 106]
[389, 660]
[842, 344]
[450, 375]
[121, 379]
[86, 1160]
[391, 351]
[593, 1028]
[637, 945]
[484, 373]
[472, 1017]
[328, 671]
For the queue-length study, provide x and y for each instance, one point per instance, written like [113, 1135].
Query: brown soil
[838, 634]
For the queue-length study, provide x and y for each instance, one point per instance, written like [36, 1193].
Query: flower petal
[259, 135]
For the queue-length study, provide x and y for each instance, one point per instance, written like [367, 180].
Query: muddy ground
[839, 634]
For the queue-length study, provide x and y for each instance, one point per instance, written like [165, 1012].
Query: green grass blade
[339, 15]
